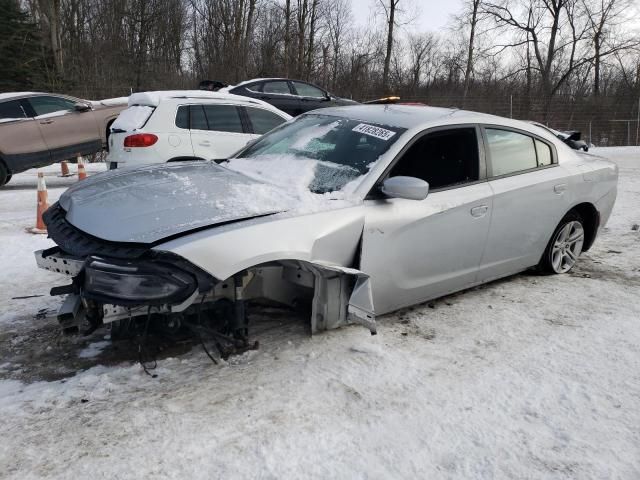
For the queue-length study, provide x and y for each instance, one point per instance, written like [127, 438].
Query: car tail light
[140, 140]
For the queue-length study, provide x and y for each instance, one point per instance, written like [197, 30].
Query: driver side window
[444, 158]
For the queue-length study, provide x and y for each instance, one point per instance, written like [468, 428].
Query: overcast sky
[432, 15]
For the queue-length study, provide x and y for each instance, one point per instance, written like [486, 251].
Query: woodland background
[573, 64]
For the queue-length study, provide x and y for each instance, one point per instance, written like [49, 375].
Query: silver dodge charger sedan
[351, 211]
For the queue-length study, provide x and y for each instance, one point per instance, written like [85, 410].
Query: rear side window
[306, 90]
[182, 117]
[255, 87]
[223, 118]
[197, 118]
[263, 120]
[510, 152]
[544, 153]
[11, 110]
[46, 104]
[276, 87]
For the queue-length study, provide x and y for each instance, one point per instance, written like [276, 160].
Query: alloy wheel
[567, 247]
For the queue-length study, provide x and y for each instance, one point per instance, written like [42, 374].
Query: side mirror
[411, 188]
[82, 107]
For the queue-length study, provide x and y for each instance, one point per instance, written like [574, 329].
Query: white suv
[167, 126]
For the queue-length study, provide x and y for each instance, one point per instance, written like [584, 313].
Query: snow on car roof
[410, 116]
[153, 99]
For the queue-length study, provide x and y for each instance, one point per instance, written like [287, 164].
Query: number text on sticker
[378, 132]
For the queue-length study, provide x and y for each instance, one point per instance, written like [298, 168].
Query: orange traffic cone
[82, 173]
[64, 169]
[42, 205]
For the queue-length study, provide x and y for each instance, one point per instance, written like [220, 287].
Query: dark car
[291, 96]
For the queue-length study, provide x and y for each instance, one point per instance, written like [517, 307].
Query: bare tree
[421, 49]
[389, 7]
[603, 16]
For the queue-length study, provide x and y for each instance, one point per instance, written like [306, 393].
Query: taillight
[140, 140]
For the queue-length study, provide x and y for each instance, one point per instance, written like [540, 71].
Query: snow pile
[108, 102]
[93, 349]
[534, 377]
[132, 118]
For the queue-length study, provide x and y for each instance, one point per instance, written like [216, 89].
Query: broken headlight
[136, 283]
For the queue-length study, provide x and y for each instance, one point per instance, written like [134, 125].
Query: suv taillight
[140, 140]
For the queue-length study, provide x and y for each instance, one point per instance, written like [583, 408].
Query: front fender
[329, 237]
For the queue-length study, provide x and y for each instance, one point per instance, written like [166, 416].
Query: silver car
[353, 211]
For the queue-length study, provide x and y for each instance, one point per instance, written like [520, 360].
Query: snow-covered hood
[152, 203]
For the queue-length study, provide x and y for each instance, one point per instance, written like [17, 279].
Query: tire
[5, 176]
[565, 245]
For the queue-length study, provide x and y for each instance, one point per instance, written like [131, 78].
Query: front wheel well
[591, 218]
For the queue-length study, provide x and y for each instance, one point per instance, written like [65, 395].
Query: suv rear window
[263, 120]
[223, 118]
[132, 118]
[219, 118]
[11, 110]
[182, 117]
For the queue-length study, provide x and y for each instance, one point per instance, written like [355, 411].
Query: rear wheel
[565, 245]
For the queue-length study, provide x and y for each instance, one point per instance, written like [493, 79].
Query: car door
[415, 250]
[279, 94]
[22, 145]
[67, 132]
[311, 97]
[528, 199]
[217, 131]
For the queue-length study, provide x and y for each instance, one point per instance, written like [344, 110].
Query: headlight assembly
[136, 283]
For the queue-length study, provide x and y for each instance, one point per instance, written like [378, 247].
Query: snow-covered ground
[529, 377]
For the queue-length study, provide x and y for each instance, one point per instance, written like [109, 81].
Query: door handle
[560, 188]
[479, 211]
[46, 122]
[205, 144]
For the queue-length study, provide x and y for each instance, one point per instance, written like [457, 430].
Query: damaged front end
[166, 289]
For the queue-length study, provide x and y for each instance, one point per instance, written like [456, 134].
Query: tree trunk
[287, 37]
[596, 66]
[469, 70]
[387, 58]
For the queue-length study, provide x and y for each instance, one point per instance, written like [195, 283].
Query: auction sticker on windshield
[378, 132]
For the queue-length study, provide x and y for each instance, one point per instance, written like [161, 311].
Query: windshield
[319, 153]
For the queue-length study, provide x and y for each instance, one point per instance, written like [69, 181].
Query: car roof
[413, 116]
[153, 99]
[14, 95]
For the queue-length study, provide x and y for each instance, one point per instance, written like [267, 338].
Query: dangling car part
[355, 211]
